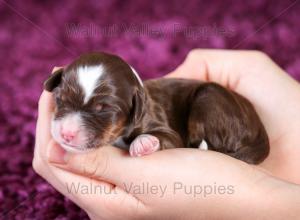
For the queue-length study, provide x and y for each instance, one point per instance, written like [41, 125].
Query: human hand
[114, 171]
[274, 94]
[119, 178]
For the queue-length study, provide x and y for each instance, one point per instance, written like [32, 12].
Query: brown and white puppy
[101, 100]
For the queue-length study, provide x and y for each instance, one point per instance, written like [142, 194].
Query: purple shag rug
[154, 36]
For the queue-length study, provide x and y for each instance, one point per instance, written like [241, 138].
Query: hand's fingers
[225, 67]
[111, 201]
[107, 163]
[251, 74]
[189, 70]
[92, 195]
[96, 196]
[56, 68]
[44, 121]
[45, 109]
[46, 106]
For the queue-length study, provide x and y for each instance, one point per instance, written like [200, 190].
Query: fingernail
[56, 154]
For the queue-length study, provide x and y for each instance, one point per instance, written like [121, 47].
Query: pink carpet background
[153, 36]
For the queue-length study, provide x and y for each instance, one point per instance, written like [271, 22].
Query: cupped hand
[173, 184]
[271, 90]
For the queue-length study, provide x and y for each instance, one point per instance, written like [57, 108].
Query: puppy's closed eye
[60, 99]
[102, 108]
[98, 107]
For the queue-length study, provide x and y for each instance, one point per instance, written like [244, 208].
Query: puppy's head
[96, 97]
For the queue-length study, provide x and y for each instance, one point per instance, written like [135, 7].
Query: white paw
[144, 144]
[203, 145]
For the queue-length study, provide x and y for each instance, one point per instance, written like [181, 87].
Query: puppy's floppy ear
[54, 80]
[139, 105]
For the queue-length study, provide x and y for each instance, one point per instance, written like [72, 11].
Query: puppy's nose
[68, 135]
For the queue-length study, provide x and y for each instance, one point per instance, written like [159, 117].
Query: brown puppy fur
[179, 112]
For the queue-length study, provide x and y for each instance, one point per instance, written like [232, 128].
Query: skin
[251, 74]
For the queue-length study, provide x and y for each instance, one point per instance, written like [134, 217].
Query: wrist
[265, 198]
[281, 200]
[256, 195]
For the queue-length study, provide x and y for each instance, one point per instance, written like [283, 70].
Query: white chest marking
[137, 76]
[88, 77]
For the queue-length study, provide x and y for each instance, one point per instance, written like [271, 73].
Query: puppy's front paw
[144, 144]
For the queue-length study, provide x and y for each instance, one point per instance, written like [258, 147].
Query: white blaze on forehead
[88, 77]
[137, 76]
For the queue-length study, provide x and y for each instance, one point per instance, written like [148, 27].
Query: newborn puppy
[101, 100]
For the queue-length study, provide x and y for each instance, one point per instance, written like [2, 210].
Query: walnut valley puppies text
[178, 187]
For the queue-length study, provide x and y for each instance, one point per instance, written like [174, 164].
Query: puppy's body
[183, 113]
[159, 114]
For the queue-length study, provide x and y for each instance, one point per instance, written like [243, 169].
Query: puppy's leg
[144, 144]
[153, 138]
[228, 123]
